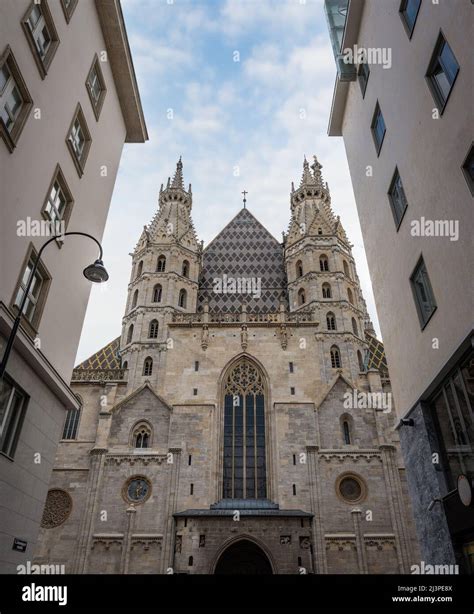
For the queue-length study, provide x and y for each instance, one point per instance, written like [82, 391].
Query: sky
[242, 90]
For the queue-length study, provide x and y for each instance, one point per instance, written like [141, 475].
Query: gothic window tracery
[335, 357]
[157, 292]
[326, 291]
[141, 437]
[161, 264]
[182, 298]
[244, 475]
[301, 296]
[323, 263]
[331, 321]
[148, 366]
[153, 329]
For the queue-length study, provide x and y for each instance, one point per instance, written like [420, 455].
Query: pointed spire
[318, 178]
[178, 176]
[306, 178]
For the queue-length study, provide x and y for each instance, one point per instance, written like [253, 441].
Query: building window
[161, 265]
[294, 490]
[294, 459]
[442, 72]
[58, 203]
[346, 269]
[37, 292]
[153, 330]
[335, 357]
[351, 488]
[41, 34]
[72, 423]
[182, 299]
[79, 140]
[140, 268]
[323, 263]
[95, 85]
[190, 459]
[191, 489]
[244, 470]
[196, 365]
[424, 298]
[361, 361]
[378, 128]
[195, 391]
[141, 437]
[299, 269]
[409, 12]
[346, 432]
[68, 8]
[157, 291]
[354, 327]
[301, 297]
[468, 169]
[185, 270]
[453, 406]
[190, 561]
[125, 365]
[148, 366]
[135, 299]
[349, 296]
[292, 390]
[326, 291]
[331, 321]
[15, 100]
[320, 231]
[397, 199]
[13, 403]
[363, 76]
[291, 367]
[130, 334]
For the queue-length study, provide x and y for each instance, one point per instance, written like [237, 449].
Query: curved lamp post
[95, 272]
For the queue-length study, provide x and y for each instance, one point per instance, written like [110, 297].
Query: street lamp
[95, 272]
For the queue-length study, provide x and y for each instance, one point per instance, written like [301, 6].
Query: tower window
[331, 321]
[397, 198]
[196, 365]
[294, 489]
[335, 357]
[299, 269]
[378, 128]
[346, 432]
[157, 292]
[125, 365]
[363, 76]
[140, 268]
[161, 264]
[354, 327]
[468, 169]
[349, 296]
[361, 361]
[182, 298]
[148, 366]
[153, 329]
[292, 390]
[135, 299]
[301, 297]
[191, 489]
[185, 269]
[326, 291]
[323, 263]
[291, 366]
[190, 561]
[423, 293]
[294, 459]
[130, 334]
[190, 459]
[141, 436]
[409, 12]
[346, 269]
[320, 231]
[195, 391]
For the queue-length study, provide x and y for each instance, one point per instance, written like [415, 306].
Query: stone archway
[243, 557]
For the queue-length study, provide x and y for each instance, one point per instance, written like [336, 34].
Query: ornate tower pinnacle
[178, 181]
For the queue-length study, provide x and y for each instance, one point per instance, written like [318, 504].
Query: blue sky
[238, 125]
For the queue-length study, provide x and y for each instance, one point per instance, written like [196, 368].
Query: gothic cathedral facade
[234, 427]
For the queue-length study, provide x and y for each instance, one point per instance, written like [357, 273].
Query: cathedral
[242, 422]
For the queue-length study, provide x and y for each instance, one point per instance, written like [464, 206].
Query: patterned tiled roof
[105, 359]
[376, 358]
[243, 249]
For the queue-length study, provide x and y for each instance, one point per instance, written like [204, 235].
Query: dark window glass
[409, 12]
[423, 293]
[13, 403]
[363, 76]
[442, 71]
[397, 198]
[378, 128]
[347, 434]
[71, 424]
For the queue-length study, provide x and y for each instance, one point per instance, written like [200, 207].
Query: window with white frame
[41, 34]
[15, 101]
[58, 203]
[37, 291]
[13, 402]
[96, 87]
[79, 140]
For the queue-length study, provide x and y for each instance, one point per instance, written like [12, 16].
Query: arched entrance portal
[243, 557]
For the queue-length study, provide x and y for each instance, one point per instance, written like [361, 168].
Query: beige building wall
[26, 175]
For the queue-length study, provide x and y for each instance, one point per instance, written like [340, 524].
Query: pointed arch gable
[231, 541]
[330, 386]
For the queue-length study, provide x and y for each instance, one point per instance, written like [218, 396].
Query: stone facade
[219, 436]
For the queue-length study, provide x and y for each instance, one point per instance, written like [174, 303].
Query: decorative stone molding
[353, 456]
[106, 540]
[305, 542]
[146, 540]
[135, 459]
[57, 508]
[343, 541]
[380, 541]
[285, 540]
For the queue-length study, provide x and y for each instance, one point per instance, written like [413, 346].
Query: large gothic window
[244, 433]
[161, 264]
[157, 292]
[141, 437]
[148, 366]
[326, 291]
[323, 263]
[153, 329]
[335, 357]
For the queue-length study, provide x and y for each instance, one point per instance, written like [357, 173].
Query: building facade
[68, 102]
[234, 426]
[401, 109]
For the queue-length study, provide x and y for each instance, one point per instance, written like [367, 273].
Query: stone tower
[322, 273]
[164, 281]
